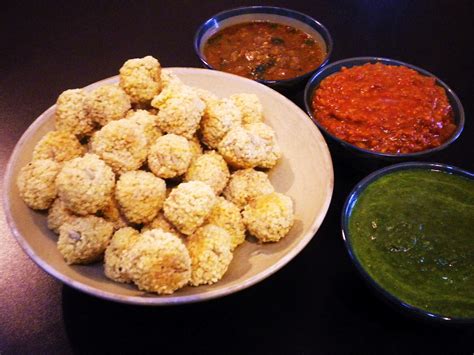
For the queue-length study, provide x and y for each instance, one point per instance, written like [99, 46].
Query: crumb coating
[242, 149]
[85, 184]
[59, 146]
[148, 123]
[140, 78]
[205, 95]
[210, 251]
[245, 185]
[170, 156]
[140, 195]
[160, 222]
[121, 241]
[83, 239]
[211, 169]
[267, 134]
[58, 214]
[188, 205]
[196, 148]
[158, 262]
[71, 114]
[168, 78]
[121, 144]
[250, 107]
[227, 215]
[36, 183]
[107, 103]
[269, 217]
[219, 118]
[111, 212]
[180, 110]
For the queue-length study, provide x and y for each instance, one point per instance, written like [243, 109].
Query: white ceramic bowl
[305, 173]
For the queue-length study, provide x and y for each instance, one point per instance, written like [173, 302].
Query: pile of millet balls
[156, 178]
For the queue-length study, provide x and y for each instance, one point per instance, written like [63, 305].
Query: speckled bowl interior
[305, 173]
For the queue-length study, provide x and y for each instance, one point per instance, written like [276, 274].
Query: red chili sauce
[384, 108]
[264, 50]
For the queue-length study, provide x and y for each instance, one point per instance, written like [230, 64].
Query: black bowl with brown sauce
[278, 47]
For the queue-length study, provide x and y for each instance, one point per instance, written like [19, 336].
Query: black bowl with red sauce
[278, 47]
[407, 138]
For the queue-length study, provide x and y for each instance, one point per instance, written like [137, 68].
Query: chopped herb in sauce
[264, 51]
[277, 40]
[214, 39]
[260, 69]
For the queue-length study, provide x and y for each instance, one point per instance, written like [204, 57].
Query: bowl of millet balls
[164, 186]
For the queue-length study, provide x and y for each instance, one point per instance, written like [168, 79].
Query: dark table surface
[317, 303]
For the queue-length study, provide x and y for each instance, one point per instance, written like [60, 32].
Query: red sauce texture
[264, 50]
[384, 108]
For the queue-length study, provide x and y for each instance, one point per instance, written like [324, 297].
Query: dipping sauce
[264, 51]
[413, 232]
[384, 108]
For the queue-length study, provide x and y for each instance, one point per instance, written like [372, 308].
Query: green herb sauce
[413, 232]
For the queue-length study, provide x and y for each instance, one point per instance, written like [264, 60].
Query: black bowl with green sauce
[409, 228]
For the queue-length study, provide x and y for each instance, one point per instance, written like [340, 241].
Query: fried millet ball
[107, 103]
[245, 185]
[170, 156]
[242, 149]
[71, 114]
[269, 217]
[140, 195]
[211, 169]
[196, 148]
[59, 146]
[148, 123]
[121, 241]
[273, 151]
[210, 251]
[121, 144]
[205, 95]
[188, 205]
[160, 222]
[158, 262]
[36, 183]
[83, 239]
[219, 117]
[168, 78]
[85, 184]
[140, 78]
[227, 215]
[111, 212]
[250, 107]
[180, 110]
[58, 214]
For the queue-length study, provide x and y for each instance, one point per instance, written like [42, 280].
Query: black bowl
[345, 218]
[364, 158]
[265, 13]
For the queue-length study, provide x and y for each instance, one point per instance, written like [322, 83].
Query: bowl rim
[260, 9]
[153, 299]
[317, 77]
[349, 204]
